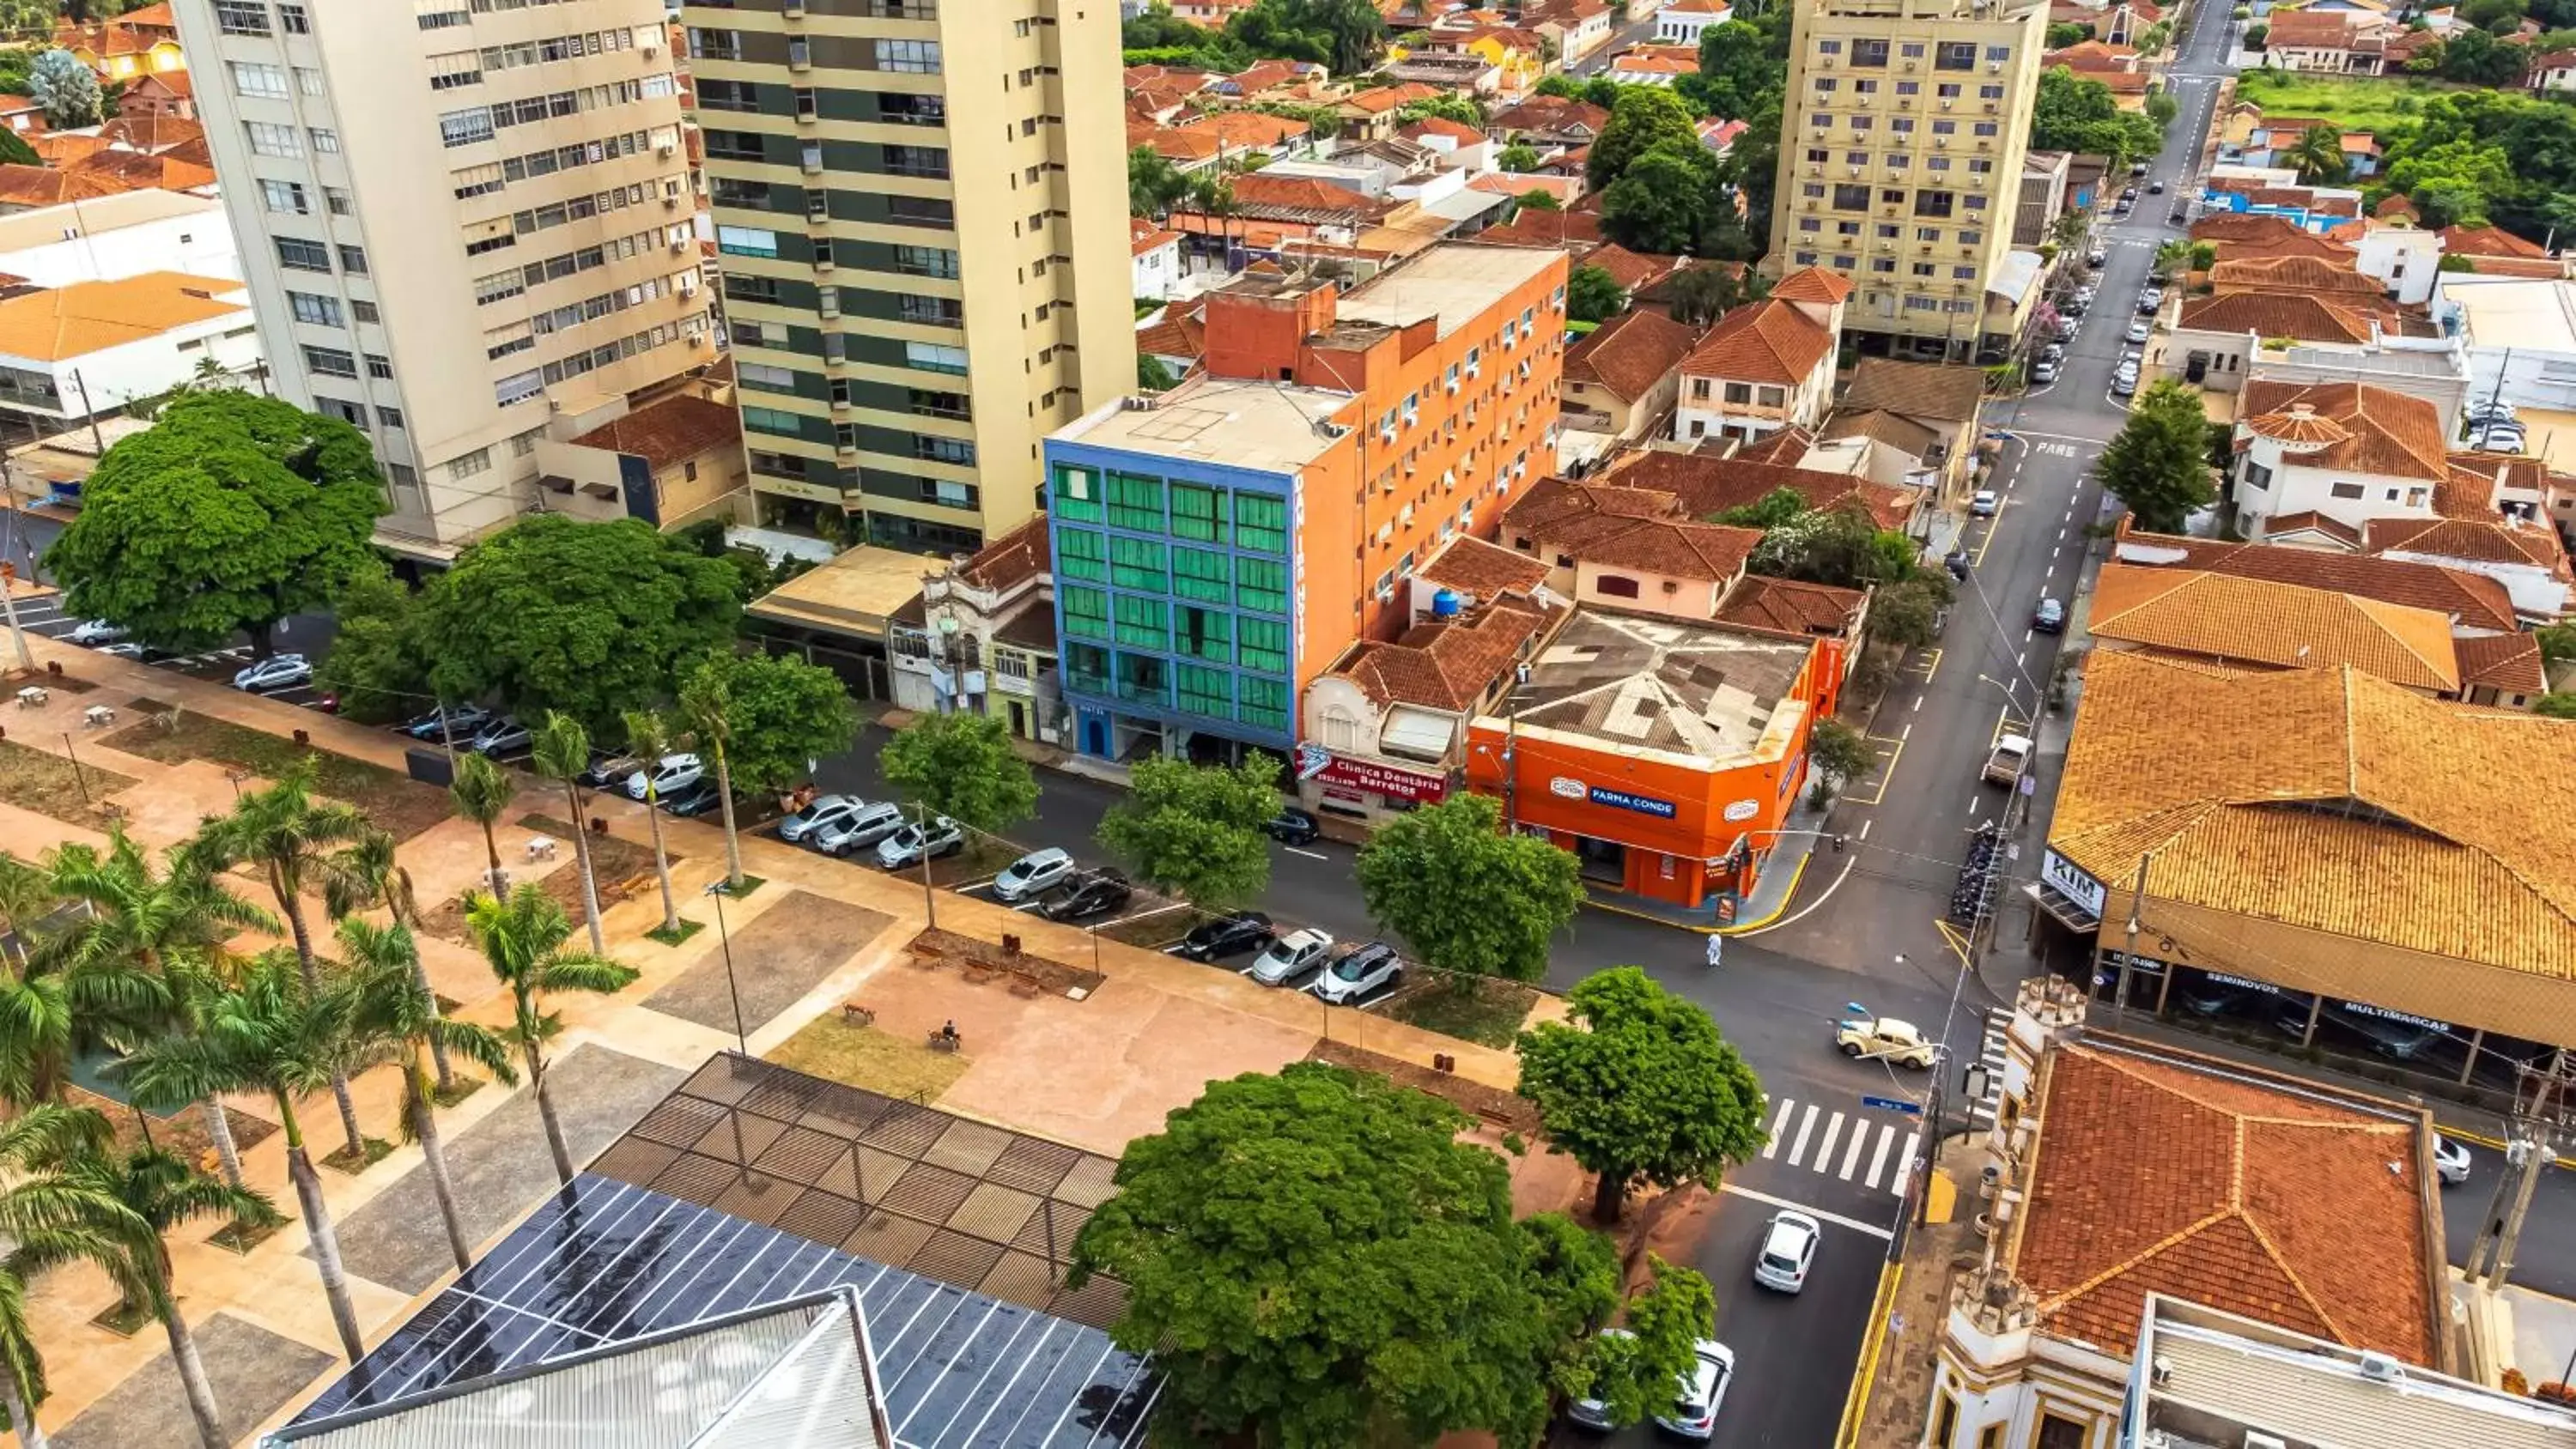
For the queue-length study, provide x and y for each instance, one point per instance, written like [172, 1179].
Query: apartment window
[353, 260]
[2346, 490]
[1945, 1421]
[934, 357]
[918, 57]
[269, 140]
[283, 196]
[1990, 93]
[1261, 585]
[1739, 393]
[954, 451]
[380, 367]
[1202, 574]
[1265, 702]
[320, 311]
[363, 312]
[443, 15]
[1998, 54]
[1263, 644]
[1261, 523]
[390, 417]
[1198, 513]
[925, 261]
[466, 465]
[338, 202]
[1851, 198]
[1081, 554]
[326, 142]
[465, 127]
[1077, 495]
[1141, 623]
[1870, 54]
[1615, 586]
[348, 412]
[299, 255]
[925, 161]
[241, 17]
[1205, 691]
[253, 79]
[1135, 502]
[498, 285]
[292, 20]
[1137, 563]
[1086, 612]
[728, 95]
[762, 377]
[2257, 476]
[746, 241]
[1955, 55]
[931, 311]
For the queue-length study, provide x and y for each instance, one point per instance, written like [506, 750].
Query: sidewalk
[1772, 889]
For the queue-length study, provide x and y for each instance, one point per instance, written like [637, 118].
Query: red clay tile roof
[150, 133]
[1790, 606]
[1473, 566]
[1627, 528]
[1813, 284]
[2293, 274]
[1458, 131]
[135, 170]
[2091, 55]
[1915, 389]
[1633, 271]
[1766, 341]
[2509, 662]
[1143, 236]
[1009, 561]
[2471, 600]
[1447, 664]
[2497, 540]
[2486, 241]
[1269, 197]
[1181, 333]
[2308, 520]
[1549, 115]
[1630, 353]
[1703, 486]
[2152, 1177]
[2391, 433]
[1388, 98]
[668, 432]
[2275, 314]
[1784, 446]
[1578, 232]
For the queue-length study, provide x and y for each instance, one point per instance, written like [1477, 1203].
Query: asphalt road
[1634, 33]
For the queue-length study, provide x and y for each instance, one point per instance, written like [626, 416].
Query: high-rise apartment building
[1901, 158]
[922, 210]
[463, 230]
[1218, 546]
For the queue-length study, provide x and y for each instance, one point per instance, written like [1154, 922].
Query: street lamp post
[78, 778]
[2012, 694]
[724, 939]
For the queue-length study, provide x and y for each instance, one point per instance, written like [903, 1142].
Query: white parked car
[1364, 970]
[278, 671]
[825, 810]
[1289, 957]
[1694, 1415]
[1788, 1250]
[1984, 504]
[2450, 1161]
[669, 773]
[1032, 875]
[90, 633]
[863, 828]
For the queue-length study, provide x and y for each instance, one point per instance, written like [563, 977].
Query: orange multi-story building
[1374, 425]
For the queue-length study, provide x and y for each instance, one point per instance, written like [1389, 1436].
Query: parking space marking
[1309, 854]
[1885, 773]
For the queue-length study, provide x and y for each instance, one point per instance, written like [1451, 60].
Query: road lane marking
[1819, 1214]
[1909, 728]
[2019, 658]
[1918, 704]
[2025, 636]
[1865, 825]
[1798, 1145]
[1860, 1139]
[1825, 1144]
[2061, 532]
[1309, 854]
[1779, 1120]
[1976, 803]
[1878, 1159]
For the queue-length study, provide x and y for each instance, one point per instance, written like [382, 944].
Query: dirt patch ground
[982, 961]
[399, 806]
[51, 785]
[1482, 1010]
[863, 1056]
[617, 864]
[1507, 1110]
[182, 1133]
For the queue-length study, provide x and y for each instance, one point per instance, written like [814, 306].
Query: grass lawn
[2356, 104]
[401, 807]
[863, 1056]
[37, 780]
[1489, 1015]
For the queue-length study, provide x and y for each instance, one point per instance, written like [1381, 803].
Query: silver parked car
[1290, 957]
[1033, 875]
[669, 774]
[860, 829]
[913, 844]
[822, 811]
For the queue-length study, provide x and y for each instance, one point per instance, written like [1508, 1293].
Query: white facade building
[1684, 21]
[76, 352]
[106, 238]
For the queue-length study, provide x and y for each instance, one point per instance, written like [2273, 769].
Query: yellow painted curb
[1856, 1401]
[1941, 1197]
[2459, 1135]
[1796, 874]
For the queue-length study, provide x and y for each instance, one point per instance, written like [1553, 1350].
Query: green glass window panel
[1086, 612]
[1080, 554]
[1086, 668]
[1144, 623]
[1207, 691]
[1261, 585]
[1198, 513]
[1144, 679]
[1204, 633]
[1261, 523]
[1199, 574]
[1137, 563]
[1077, 495]
[1135, 502]
[1264, 644]
[1265, 702]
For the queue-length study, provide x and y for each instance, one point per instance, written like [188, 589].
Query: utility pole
[9, 603]
[2129, 953]
[2538, 1125]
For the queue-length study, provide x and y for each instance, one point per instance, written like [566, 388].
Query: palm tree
[706, 703]
[385, 967]
[648, 736]
[482, 792]
[294, 838]
[144, 920]
[51, 1222]
[25, 898]
[368, 874]
[523, 938]
[559, 749]
[133, 1201]
[270, 1032]
[2317, 156]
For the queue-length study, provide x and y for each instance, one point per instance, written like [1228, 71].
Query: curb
[2494, 1144]
[1856, 1399]
[1738, 928]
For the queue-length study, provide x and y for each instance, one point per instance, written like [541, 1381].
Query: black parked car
[1094, 895]
[1292, 826]
[1228, 936]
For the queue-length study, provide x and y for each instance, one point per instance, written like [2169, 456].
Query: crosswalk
[1797, 1139]
[1990, 1051]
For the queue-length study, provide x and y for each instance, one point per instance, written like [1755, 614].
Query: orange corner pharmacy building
[1665, 755]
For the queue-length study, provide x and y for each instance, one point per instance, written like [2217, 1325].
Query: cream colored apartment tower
[1900, 164]
[464, 224]
[921, 207]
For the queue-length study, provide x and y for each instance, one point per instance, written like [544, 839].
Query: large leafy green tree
[1316, 1260]
[231, 512]
[1463, 895]
[2078, 113]
[592, 619]
[1740, 62]
[66, 89]
[1838, 546]
[378, 664]
[1645, 118]
[962, 766]
[1194, 831]
[1153, 183]
[785, 714]
[2158, 463]
[1635, 1374]
[522, 939]
[1593, 295]
[1666, 202]
[1641, 1089]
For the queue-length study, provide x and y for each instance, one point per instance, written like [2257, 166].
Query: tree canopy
[1839, 546]
[1646, 117]
[592, 619]
[1642, 1088]
[66, 89]
[1153, 184]
[962, 766]
[1740, 62]
[1633, 1374]
[1345, 36]
[231, 512]
[378, 664]
[1194, 831]
[1466, 897]
[1667, 201]
[1316, 1260]
[781, 715]
[2158, 464]
[1593, 295]
[2078, 113]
